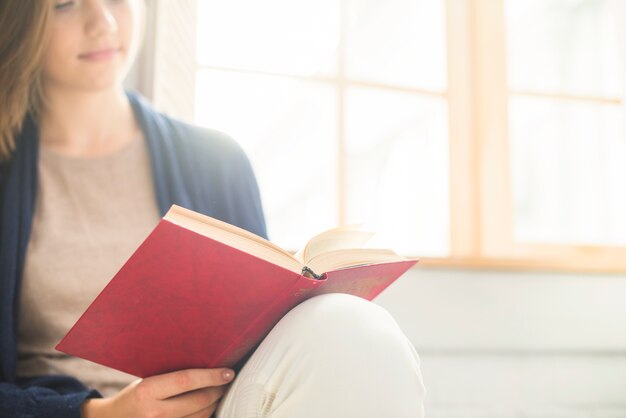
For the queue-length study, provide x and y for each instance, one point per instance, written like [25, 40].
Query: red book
[201, 293]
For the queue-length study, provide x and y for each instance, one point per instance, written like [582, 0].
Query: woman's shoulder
[193, 140]
[204, 138]
[209, 150]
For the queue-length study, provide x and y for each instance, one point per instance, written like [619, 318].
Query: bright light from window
[270, 75]
[567, 125]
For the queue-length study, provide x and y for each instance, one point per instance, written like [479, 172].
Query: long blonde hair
[24, 26]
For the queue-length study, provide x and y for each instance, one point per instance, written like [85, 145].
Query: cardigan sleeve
[44, 397]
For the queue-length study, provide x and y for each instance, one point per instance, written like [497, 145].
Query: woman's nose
[99, 19]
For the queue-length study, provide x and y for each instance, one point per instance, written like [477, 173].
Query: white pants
[333, 355]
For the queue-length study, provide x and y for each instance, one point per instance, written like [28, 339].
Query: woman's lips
[100, 55]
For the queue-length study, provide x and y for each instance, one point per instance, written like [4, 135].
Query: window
[470, 132]
[550, 135]
[343, 119]
[568, 148]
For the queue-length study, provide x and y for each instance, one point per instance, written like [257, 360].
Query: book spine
[307, 272]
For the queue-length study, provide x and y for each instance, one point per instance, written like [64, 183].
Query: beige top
[90, 215]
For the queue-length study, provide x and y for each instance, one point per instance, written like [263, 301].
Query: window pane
[397, 169]
[284, 36]
[398, 42]
[568, 171]
[564, 46]
[289, 131]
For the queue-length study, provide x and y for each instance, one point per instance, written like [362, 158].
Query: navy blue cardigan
[198, 168]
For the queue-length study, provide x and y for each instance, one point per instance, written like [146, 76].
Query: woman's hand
[186, 393]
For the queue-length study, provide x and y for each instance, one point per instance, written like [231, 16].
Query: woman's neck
[87, 124]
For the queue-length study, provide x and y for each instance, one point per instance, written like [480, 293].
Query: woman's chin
[93, 85]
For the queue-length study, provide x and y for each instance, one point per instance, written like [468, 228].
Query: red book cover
[184, 300]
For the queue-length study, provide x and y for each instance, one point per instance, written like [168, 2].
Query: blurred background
[487, 137]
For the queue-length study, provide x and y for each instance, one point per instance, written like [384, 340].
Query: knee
[336, 355]
[342, 317]
[342, 333]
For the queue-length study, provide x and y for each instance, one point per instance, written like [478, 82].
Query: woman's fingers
[175, 383]
[193, 392]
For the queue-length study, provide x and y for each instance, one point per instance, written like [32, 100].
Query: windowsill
[583, 265]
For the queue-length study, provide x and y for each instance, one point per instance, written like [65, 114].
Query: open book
[333, 249]
[199, 292]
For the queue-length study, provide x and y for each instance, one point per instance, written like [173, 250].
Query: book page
[233, 236]
[345, 237]
[342, 258]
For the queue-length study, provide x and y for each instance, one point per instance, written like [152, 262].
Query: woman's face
[92, 44]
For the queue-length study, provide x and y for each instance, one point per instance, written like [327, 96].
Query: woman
[87, 170]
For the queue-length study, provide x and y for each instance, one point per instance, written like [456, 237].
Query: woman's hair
[23, 34]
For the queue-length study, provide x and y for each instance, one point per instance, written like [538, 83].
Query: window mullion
[463, 166]
[491, 112]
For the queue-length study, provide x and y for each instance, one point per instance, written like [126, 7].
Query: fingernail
[228, 374]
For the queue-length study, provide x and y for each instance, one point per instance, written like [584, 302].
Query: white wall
[507, 344]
